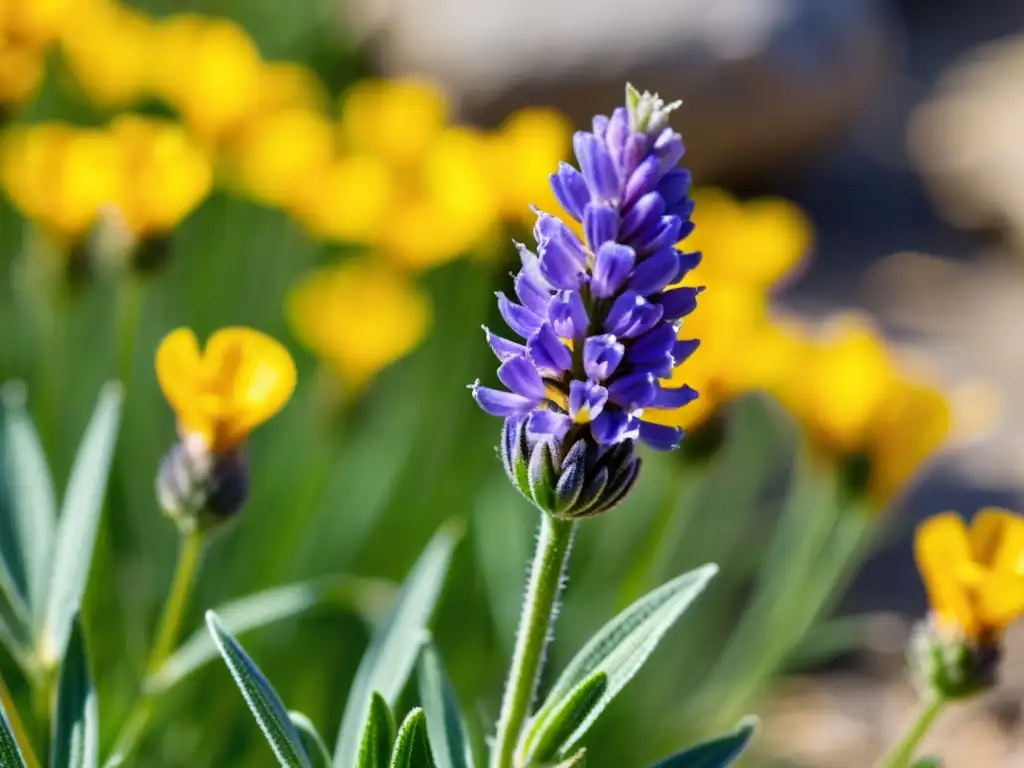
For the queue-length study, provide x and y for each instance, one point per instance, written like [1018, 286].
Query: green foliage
[449, 743]
[378, 736]
[716, 753]
[10, 753]
[396, 642]
[76, 732]
[263, 701]
[312, 743]
[553, 727]
[411, 747]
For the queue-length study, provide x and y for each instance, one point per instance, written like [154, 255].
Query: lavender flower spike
[600, 318]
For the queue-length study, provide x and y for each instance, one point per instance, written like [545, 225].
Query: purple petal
[561, 261]
[643, 216]
[503, 348]
[652, 346]
[546, 226]
[500, 403]
[660, 437]
[682, 350]
[597, 167]
[641, 181]
[545, 423]
[636, 390]
[636, 149]
[668, 148]
[612, 266]
[531, 286]
[568, 315]
[684, 210]
[519, 319]
[601, 356]
[679, 302]
[656, 272]
[632, 315]
[667, 232]
[549, 353]
[616, 137]
[571, 190]
[600, 224]
[674, 187]
[586, 401]
[614, 426]
[600, 126]
[687, 263]
[521, 376]
[674, 397]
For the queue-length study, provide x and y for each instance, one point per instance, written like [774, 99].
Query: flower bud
[950, 665]
[567, 478]
[201, 490]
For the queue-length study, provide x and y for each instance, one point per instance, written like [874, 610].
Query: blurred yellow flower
[748, 248]
[209, 70]
[359, 317]
[109, 48]
[525, 151]
[349, 199]
[33, 21]
[854, 399]
[60, 176]
[974, 576]
[222, 393]
[164, 175]
[21, 70]
[394, 119]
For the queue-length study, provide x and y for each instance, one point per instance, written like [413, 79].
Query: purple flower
[598, 318]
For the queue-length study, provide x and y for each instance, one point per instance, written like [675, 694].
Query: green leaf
[395, 644]
[716, 753]
[364, 596]
[10, 754]
[928, 762]
[79, 520]
[411, 747]
[312, 744]
[578, 760]
[28, 508]
[76, 726]
[552, 727]
[622, 646]
[445, 725]
[378, 735]
[263, 701]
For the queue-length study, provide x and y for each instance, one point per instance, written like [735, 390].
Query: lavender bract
[598, 317]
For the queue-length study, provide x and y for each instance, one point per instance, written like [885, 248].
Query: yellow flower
[34, 22]
[287, 85]
[164, 175]
[209, 70]
[21, 70]
[109, 48]
[394, 119]
[59, 175]
[526, 149]
[974, 576]
[222, 393]
[359, 317]
[348, 200]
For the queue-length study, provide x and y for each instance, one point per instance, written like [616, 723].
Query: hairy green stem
[189, 557]
[539, 610]
[902, 753]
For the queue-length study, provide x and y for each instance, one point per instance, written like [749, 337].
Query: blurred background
[348, 175]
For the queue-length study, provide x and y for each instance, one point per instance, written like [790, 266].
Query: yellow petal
[942, 550]
[997, 540]
[999, 600]
[179, 370]
[253, 374]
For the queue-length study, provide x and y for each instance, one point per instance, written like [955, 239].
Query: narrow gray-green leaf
[378, 735]
[578, 760]
[622, 646]
[411, 747]
[445, 725]
[79, 520]
[28, 508]
[263, 701]
[716, 753]
[363, 596]
[10, 753]
[76, 726]
[312, 743]
[395, 644]
[553, 726]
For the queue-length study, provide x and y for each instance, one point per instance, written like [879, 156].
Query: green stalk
[902, 753]
[17, 727]
[539, 609]
[189, 557]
